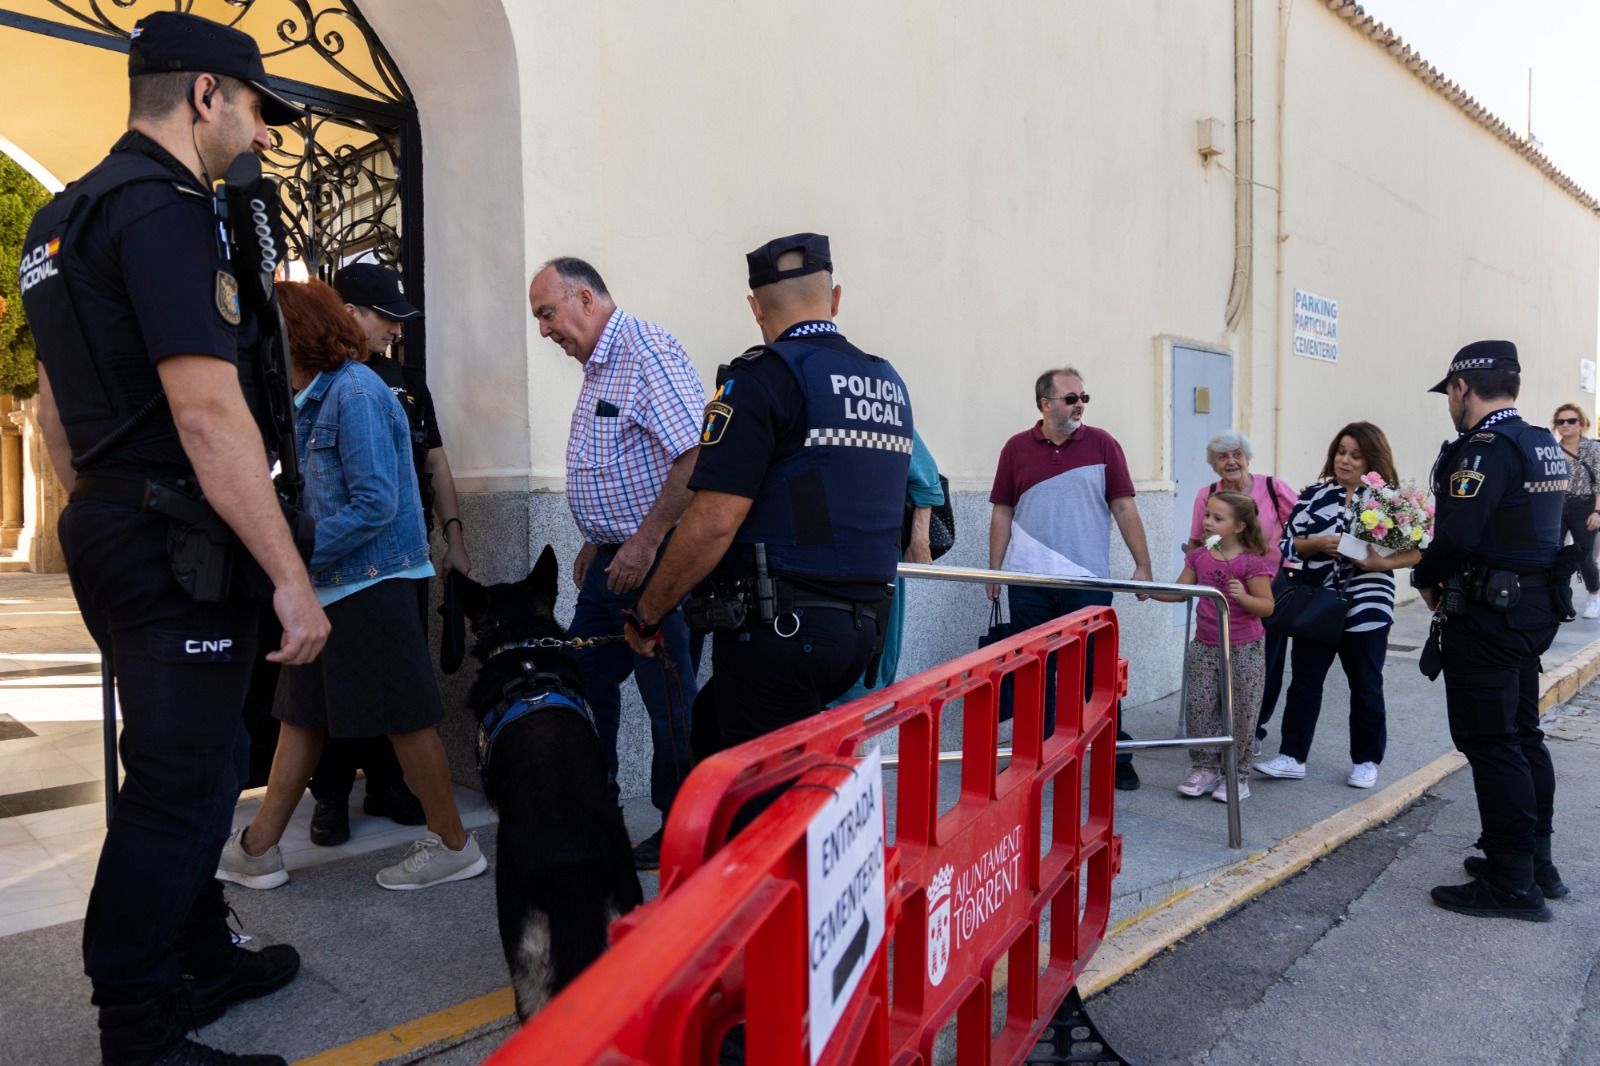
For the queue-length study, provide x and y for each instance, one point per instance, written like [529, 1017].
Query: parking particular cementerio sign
[1316, 327]
[845, 894]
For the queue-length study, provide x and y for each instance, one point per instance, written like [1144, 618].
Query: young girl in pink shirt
[1236, 560]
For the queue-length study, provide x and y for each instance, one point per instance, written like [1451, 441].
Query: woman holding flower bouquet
[1580, 517]
[1317, 543]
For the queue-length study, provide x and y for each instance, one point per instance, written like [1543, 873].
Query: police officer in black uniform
[799, 490]
[145, 367]
[1500, 487]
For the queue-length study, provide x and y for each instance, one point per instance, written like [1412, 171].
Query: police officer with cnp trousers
[1499, 488]
[144, 356]
[799, 494]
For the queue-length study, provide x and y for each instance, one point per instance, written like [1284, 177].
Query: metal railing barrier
[1189, 594]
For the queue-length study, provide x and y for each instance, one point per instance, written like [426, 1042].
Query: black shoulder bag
[941, 524]
[1307, 609]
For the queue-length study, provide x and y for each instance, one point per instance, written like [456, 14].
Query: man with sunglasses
[1056, 489]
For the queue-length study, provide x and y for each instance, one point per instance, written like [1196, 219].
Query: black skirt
[374, 676]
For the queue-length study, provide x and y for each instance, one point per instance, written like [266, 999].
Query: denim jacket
[355, 455]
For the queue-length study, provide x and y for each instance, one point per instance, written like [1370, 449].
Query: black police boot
[330, 822]
[149, 1033]
[1545, 874]
[1508, 891]
[393, 800]
[244, 975]
[647, 853]
[1127, 777]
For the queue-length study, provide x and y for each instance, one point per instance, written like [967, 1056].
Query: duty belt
[131, 491]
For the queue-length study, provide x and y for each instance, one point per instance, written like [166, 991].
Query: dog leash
[575, 643]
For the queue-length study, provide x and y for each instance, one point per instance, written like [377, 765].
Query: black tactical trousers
[156, 910]
[761, 681]
[1491, 677]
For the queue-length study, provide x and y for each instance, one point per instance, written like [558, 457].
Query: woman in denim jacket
[374, 676]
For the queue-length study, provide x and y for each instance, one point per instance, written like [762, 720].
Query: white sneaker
[430, 863]
[1221, 793]
[1363, 775]
[1199, 782]
[252, 871]
[1281, 765]
[1592, 608]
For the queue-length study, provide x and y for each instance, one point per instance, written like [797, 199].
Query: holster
[1431, 661]
[207, 558]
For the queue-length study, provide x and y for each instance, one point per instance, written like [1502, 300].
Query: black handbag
[941, 524]
[998, 631]
[1305, 610]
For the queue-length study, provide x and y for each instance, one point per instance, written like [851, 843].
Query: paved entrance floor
[376, 960]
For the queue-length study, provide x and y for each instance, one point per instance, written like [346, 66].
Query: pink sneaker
[1199, 782]
[1221, 793]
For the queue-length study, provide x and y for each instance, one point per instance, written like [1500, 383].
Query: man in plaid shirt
[635, 434]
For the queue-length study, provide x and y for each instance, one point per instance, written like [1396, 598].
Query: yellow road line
[1129, 944]
[441, 1028]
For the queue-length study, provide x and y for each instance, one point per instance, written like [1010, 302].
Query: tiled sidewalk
[52, 766]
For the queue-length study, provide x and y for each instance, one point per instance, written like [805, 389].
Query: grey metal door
[1202, 406]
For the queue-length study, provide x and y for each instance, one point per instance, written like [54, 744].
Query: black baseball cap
[169, 41]
[763, 262]
[370, 285]
[1482, 355]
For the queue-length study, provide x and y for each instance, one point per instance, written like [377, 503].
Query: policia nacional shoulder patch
[227, 298]
[1464, 484]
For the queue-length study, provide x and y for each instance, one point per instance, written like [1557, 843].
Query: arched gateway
[351, 171]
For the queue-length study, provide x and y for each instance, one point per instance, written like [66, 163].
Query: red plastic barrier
[970, 879]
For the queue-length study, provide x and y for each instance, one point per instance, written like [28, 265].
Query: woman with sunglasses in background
[1583, 473]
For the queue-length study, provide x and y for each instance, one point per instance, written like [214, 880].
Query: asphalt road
[1349, 962]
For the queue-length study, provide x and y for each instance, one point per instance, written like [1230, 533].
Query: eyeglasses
[1071, 399]
[1566, 421]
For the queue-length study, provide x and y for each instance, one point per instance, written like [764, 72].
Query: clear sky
[1487, 46]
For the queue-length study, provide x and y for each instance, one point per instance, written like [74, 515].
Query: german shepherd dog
[564, 870]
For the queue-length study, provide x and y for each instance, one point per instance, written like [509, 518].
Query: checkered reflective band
[808, 328]
[857, 438]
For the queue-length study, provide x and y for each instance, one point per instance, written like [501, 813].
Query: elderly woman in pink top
[1229, 454]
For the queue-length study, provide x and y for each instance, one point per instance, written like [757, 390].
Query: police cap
[1482, 355]
[169, 41]
[763, 262]
[370, 285]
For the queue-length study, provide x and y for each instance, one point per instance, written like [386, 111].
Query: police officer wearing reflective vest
[144, 367]
[1499, 487]
[799, 490]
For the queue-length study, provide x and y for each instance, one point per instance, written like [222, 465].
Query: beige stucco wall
[1003, 194]
[1430, 233]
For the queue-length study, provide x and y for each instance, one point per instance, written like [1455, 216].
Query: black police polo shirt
[765, 423]
[161, 285]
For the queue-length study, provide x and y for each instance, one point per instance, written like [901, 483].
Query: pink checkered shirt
[618, 462]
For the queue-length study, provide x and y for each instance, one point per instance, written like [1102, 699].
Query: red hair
[322, 335]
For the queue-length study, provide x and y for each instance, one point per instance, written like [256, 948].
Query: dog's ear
[473, 597]
[542, 579]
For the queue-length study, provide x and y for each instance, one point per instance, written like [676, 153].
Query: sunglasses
[1071, 399]
[1566, 421]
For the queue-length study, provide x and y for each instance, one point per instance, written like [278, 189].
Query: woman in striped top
[1311, 544]
[1580, 517]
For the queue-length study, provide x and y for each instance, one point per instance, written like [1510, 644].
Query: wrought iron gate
[352, 170]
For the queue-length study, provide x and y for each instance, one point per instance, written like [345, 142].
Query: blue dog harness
[514, 708]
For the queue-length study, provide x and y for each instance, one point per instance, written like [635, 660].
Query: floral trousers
[1202, 710]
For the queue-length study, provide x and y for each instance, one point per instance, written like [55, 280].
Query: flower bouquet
[1389, 518]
